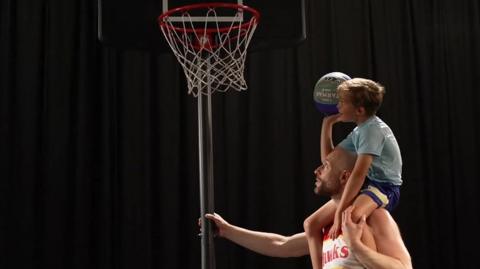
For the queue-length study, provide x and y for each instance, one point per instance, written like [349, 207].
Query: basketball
[325, 92]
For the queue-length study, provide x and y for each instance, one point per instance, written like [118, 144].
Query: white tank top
[337, 255]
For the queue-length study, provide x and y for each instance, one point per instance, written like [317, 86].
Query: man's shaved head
[342, 159]
[335, 166]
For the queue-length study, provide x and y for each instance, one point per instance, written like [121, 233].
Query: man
[373, 243]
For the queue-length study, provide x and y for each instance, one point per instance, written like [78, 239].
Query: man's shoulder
[381, 221]
[379, 215]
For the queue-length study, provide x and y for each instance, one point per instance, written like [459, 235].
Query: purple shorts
[386, 195]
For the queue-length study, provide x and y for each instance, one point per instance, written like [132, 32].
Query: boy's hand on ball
[332, 118]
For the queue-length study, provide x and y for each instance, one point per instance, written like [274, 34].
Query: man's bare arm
[391, 251]
[269, 244]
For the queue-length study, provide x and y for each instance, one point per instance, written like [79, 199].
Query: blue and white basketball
[325, 94]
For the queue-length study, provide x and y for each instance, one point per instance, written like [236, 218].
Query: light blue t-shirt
[374, 137]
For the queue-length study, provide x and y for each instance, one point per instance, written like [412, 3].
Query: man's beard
[327, 189]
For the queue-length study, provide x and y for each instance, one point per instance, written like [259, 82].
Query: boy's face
[347, 111]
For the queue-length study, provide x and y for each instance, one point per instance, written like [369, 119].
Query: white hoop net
[212, 53]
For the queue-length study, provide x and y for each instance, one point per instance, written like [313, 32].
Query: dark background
[98, 154]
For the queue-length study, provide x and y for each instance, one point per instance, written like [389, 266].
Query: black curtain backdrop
[98, 147]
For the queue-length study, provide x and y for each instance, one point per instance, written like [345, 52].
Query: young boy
[376, 178]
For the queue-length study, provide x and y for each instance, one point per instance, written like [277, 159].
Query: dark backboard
[132, 24]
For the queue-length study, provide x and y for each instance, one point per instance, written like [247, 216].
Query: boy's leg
[364, 205]
[313, 226]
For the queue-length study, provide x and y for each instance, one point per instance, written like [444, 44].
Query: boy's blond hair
[363, 93]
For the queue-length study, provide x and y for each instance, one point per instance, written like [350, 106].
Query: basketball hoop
[210, 48]
[210, 42]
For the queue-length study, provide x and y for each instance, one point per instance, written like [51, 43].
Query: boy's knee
[356, 216]
[307, 223]
[311, 227]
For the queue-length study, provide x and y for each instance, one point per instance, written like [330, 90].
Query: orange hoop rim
[163, 17]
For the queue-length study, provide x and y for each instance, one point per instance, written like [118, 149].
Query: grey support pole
[205, 158]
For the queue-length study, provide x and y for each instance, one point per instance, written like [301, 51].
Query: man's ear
[344, 176]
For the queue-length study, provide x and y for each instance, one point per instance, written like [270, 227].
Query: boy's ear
[361, 110]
